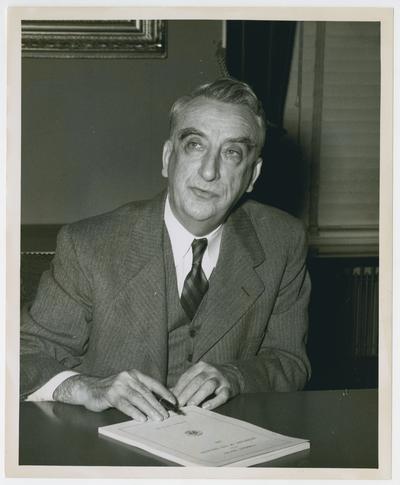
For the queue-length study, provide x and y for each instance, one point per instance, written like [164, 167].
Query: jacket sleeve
[281, 363]
[55, 328]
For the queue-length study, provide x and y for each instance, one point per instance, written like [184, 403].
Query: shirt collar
[181, 238]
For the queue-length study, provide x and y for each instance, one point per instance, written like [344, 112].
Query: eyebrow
[243, 139]
[185, 132]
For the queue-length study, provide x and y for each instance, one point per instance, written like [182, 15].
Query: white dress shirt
[181, 243]
[45, 393]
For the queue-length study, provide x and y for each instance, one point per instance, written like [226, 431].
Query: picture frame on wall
[96, 39]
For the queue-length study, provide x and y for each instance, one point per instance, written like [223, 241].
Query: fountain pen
[169, 406]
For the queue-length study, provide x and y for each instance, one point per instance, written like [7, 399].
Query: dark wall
[92, 130]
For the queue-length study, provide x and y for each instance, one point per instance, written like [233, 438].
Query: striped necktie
[196, 284]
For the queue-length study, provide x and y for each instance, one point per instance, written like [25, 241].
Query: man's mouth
[203, 194]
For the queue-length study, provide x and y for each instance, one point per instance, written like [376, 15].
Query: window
[333, 109]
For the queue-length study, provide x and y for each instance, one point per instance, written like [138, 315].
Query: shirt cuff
[45, 393]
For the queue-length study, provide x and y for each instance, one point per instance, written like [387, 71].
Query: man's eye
[194, 146]
[233, 153]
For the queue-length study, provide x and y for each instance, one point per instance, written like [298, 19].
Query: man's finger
[221, 398]
[153, 410]
[149, 397]
[129, 409]
[156, 387]
[205, 390]
[185, 379]
[129, 387]
[191, 388]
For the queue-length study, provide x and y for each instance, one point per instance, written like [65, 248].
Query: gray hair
[227, 90]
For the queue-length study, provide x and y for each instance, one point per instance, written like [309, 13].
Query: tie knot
[198, 248]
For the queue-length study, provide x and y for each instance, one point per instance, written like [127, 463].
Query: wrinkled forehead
[207, 114]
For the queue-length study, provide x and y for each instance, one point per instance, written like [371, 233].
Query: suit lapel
[234, 284]
[143, 296]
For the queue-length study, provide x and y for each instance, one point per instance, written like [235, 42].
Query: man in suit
[193, 296]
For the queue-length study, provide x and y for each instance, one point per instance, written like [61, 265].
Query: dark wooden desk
[342, 427]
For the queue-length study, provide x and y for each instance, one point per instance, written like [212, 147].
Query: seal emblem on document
[193, 432]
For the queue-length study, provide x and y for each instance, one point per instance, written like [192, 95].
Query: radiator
[364, 298]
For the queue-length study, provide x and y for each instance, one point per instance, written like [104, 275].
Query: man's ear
[255, 174]
[167, 150]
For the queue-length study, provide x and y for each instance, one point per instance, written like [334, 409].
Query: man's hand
[203, 380]
[129, 391]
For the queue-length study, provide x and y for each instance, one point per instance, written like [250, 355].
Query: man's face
[210, 160]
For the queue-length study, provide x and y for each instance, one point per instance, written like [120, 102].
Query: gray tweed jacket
[101, 308]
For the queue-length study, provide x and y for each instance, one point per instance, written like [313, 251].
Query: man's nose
[209, 168]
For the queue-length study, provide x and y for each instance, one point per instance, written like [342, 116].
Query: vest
[181, 331]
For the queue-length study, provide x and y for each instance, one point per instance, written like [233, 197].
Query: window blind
[335, 116]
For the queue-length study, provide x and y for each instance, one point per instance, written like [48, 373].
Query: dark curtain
[260, 53]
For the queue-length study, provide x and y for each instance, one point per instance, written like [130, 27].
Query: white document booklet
[205, 438]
